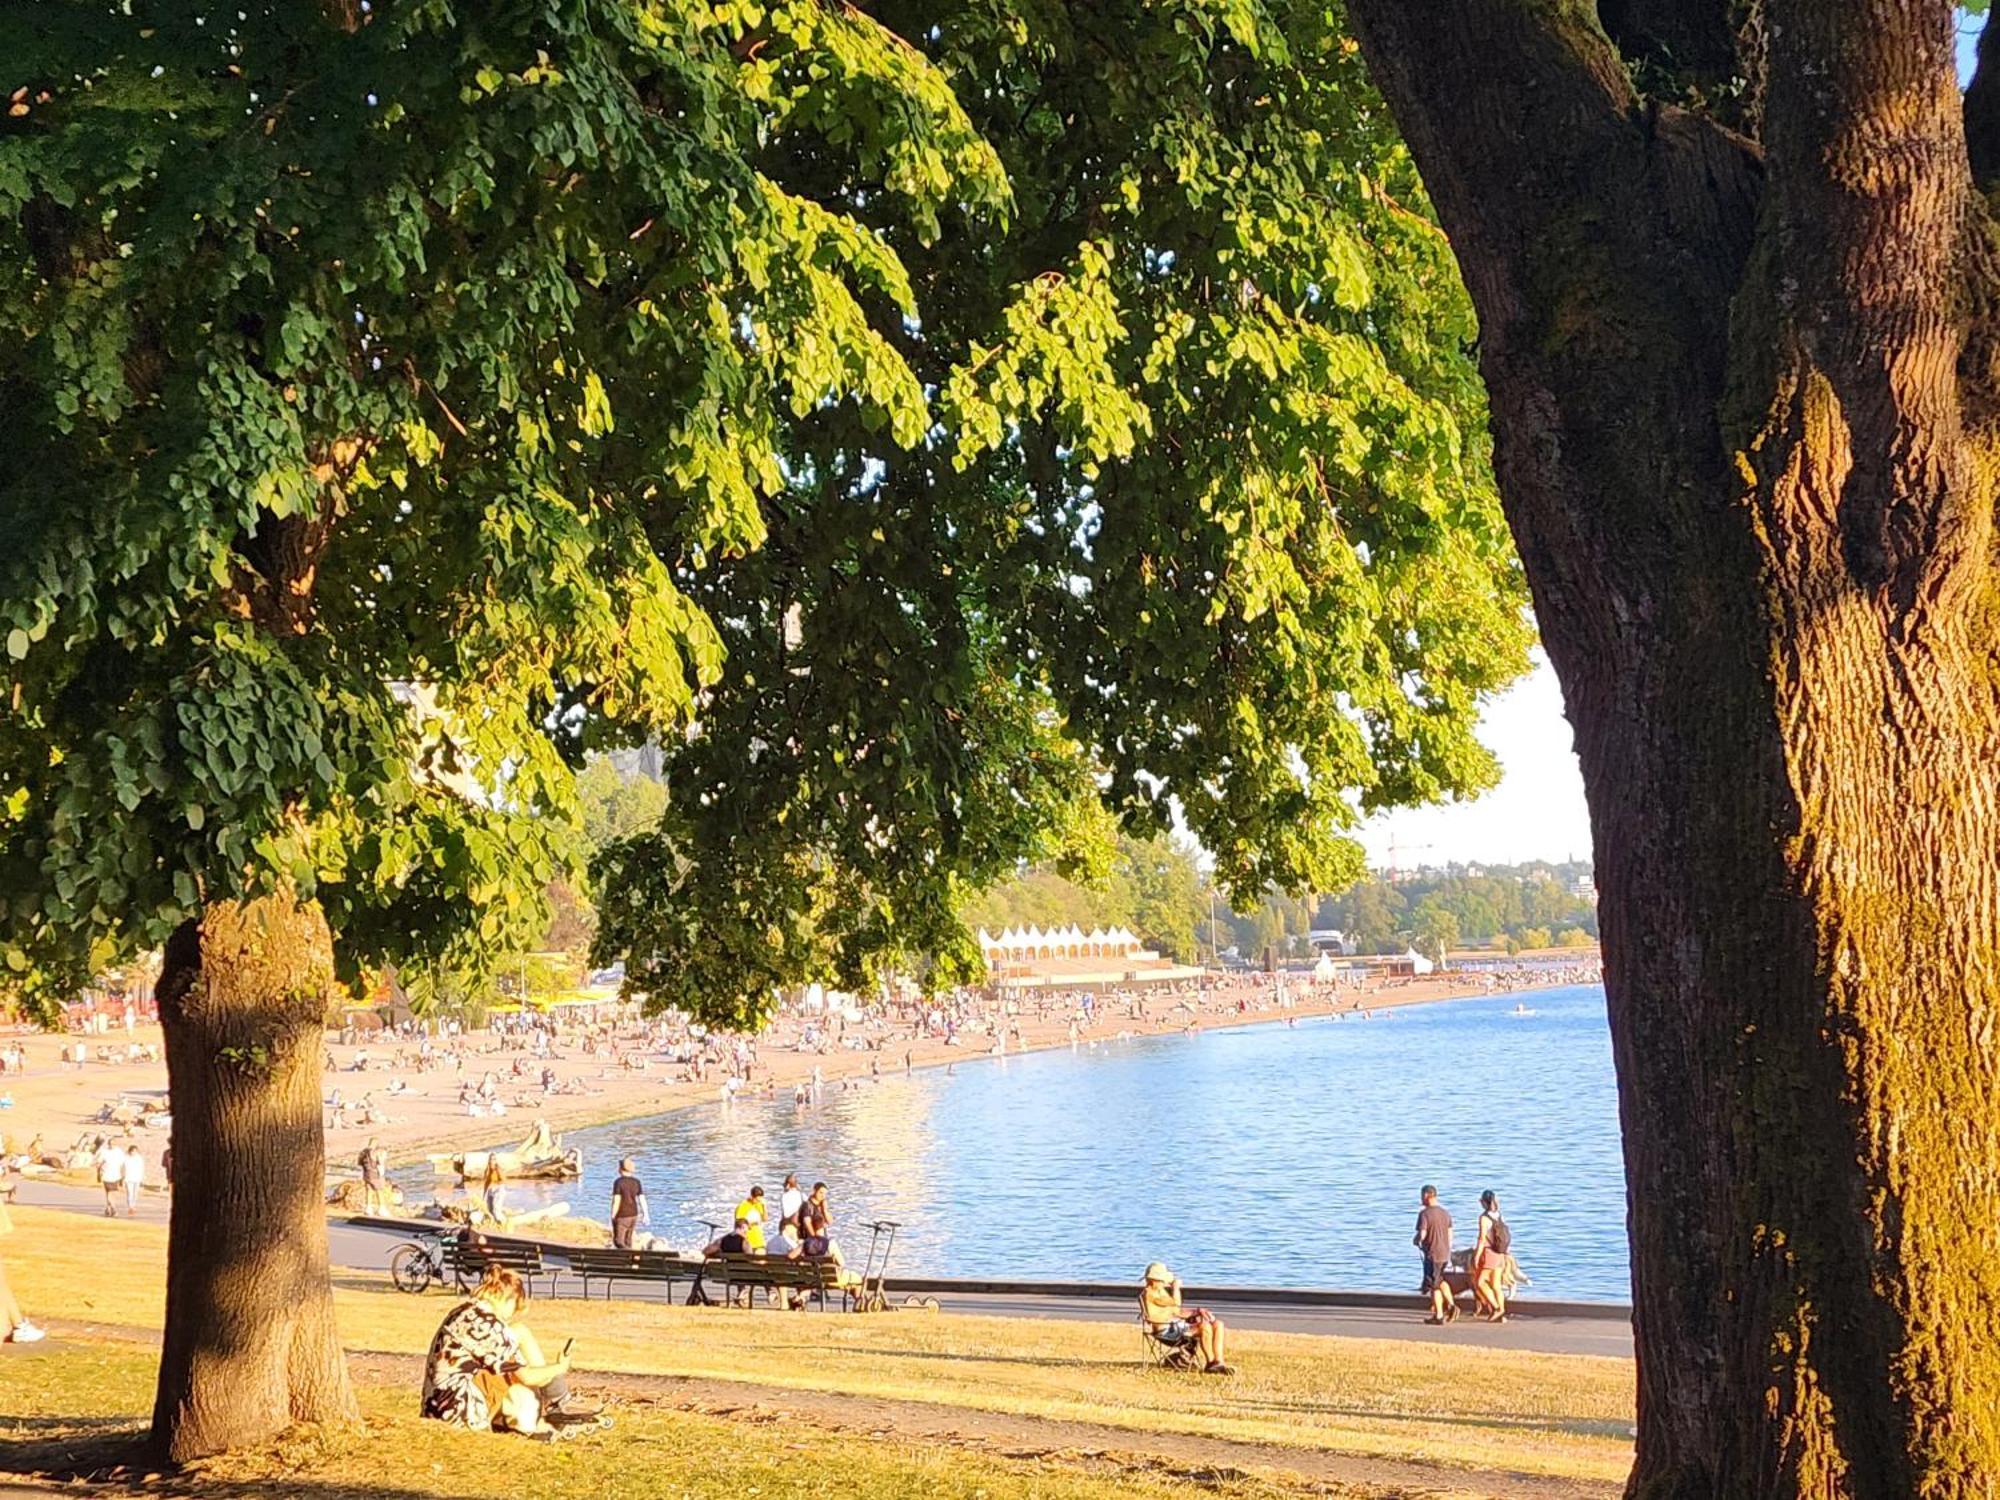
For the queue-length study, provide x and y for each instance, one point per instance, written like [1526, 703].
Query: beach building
[1070, 958]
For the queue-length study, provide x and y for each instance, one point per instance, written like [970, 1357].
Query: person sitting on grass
[18, 1329]
[1160, 1308]
[485, 1371]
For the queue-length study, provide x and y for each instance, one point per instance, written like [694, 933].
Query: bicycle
[414, 1265]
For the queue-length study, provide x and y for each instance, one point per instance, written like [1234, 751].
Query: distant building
[1030, 958]
[1330, 940]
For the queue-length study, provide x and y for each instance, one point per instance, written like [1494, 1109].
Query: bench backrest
[776, 1270]
[635, 1263]
[515, 1257]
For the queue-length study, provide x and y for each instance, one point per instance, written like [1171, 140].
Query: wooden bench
[658, 1266]
[813, 1279]
[468, 1258]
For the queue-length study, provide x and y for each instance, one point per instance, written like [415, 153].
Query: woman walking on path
[493, 1194]
[1489, 1259]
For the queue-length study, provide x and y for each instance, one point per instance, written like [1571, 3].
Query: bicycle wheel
[410, 1269]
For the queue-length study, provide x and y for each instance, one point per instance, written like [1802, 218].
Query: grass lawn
[62, 1407]
[1462, 1408]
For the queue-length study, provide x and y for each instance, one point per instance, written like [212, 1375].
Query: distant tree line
[1536, 905]
[1158, 889]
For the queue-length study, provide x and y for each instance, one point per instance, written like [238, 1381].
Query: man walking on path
[628, 1205]
[109, 1158]
[1433, 1239]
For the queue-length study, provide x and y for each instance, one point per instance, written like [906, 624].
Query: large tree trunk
[1736, 402]
[250, 1345]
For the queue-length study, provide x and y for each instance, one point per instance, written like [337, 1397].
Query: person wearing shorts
[1433, 1242]
[1160, 1307]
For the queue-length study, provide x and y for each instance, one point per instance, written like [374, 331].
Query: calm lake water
[1271, 1155]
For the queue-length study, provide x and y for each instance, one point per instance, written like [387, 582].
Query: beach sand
[62, 1102]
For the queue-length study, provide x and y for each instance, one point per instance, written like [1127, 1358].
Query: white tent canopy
[1070, 941]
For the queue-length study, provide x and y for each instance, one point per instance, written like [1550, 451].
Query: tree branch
[1602, 239]
[1873, 207]
[1704, 54]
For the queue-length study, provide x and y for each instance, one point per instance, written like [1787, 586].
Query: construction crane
[1397, 848]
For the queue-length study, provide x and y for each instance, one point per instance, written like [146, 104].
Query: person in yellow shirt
[1160, 1306]
[751, 1212]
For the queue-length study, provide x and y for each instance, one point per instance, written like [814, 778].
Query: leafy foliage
[381, 379]
[1154, 887]
[1204, 521]
[1054, 419]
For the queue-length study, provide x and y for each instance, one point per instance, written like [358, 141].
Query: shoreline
[60, 1103]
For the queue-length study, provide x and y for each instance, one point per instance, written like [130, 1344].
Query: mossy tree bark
[250, 1346]
[1742, 402]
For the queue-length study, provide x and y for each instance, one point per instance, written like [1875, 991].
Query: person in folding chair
[1186, 1336]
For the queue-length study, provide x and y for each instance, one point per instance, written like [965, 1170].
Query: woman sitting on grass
[485, 1370]
[1160, 1306]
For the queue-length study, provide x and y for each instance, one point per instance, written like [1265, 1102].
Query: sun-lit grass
[79, 1407]
[1458, 1406]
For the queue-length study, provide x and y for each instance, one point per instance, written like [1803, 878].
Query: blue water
[1269, 1154]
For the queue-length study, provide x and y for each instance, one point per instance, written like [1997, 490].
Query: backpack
[1499, 1238]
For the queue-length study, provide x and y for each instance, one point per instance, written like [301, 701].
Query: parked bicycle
[415, 1264]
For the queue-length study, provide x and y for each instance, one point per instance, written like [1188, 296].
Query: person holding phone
[485, 1369]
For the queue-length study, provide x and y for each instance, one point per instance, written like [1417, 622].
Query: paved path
[368, 1250]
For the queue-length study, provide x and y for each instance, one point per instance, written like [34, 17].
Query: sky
[1537, 811]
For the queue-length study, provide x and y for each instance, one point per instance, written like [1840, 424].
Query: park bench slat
[814, 1277]
[613, 1265]
[522, 1257]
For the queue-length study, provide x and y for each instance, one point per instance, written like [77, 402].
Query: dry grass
[1457, 1406]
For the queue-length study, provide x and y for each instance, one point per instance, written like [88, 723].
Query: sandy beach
[58, 1102]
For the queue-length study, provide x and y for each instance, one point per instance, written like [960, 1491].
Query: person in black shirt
[1433, 1239]
[732, 1243]
[628, 1205]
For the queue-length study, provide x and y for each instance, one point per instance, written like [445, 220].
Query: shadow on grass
[71, 1448]
[1046, 1362]
[108, 1456]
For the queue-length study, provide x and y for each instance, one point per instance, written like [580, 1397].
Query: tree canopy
[986, 425]
[379, 380]
[1204, 518]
